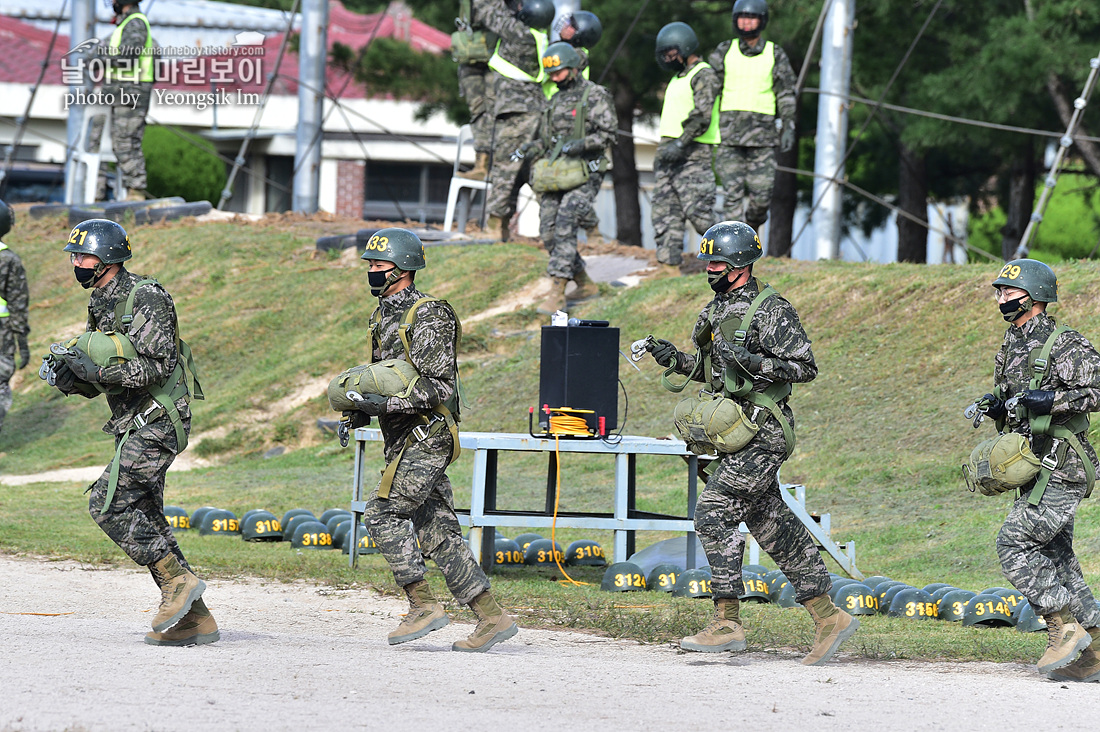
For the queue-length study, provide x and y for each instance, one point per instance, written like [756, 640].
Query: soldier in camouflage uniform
[146, 437]
[756, 113]
[475, 84]
[684, 186]
[14, 301]
[419, 434]
[561, 212]
[519, 98]
[744, 486]
[129, 82]
[1035, 544]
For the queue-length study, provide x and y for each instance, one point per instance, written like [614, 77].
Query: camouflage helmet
[1031, 276]
[7, 219]
[535, 13]
[400, 246]
[675, 36]
[587, 29]
[758, 8]
[560, 55]
[100, 238]
[732, 242]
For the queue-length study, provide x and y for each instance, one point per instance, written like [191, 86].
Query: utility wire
[874, 111]
[622, 41]
[810, 51]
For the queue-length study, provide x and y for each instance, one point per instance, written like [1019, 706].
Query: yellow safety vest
[3, 303]
[508, 70]
[680, 102]
[747, 83]
[144, 70]
[550, 87]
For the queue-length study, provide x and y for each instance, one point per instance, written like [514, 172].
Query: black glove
[521, 152]
[84, 368]
[355, 419]
[1038, 400]
[786, 137]
[664, 353]
[372, 404]
[24, 351]
[994, 407]
[573, 148]
[64, 378]
[671, 153]
[751, 361]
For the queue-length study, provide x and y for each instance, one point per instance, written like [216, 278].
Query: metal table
[484, 516]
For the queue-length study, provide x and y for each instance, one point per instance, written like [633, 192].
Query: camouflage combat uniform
[686, 190]
[745, 158]
[421, 492]
[1035, 544]
[475, 84]
[131, 105]
[517, 108]
[13, 289]
[745, 484]
[562, 213]
[135, 519]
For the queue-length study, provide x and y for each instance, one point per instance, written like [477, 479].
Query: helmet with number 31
[1031, 276]
[732, 242]
[400, 246]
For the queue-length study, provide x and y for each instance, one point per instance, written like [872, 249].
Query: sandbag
[713, 425]
[1001, 464]
[392, 377]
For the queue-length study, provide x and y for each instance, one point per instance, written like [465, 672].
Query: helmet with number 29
[1031, 276]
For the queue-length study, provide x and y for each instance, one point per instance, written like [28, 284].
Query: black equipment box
[580, 369]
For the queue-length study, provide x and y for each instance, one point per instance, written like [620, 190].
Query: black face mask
[719, 282]
[86, 276]
[377, 280]
[1013, 309]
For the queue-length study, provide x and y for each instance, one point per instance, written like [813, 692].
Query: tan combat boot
[556, 299]
[725, 632]
[586, 288]
[494, 229]
[494, 626]
[1087, 665]
[178, 591]
[425, 614]
[480, 169]
[196, 628]
[594, 236]
[1066, 639]
[834, 626]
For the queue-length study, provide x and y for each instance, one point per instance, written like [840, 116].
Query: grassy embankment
[901, 349]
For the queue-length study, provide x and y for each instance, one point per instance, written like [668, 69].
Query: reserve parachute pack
[1000, 464]
[469, 46]
[389, 378]
[555, 172]
[1051, 441]
[715, 421]
[446, 414]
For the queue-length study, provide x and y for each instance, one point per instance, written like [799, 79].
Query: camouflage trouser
[421, 493]
[1035, 546]
[127, 131]
[476, 87]
[683, 192]
[507, 175]
[748, 178]
[7, 370]
[135, 519]
[560, 215]
[745, 487]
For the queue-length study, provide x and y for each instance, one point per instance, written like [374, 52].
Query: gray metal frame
[484, 516]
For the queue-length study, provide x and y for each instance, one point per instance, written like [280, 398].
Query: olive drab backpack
[556, 172]
[469, 46]
[447, 414]
[183, 382]
[1054, 439]
[714, 421]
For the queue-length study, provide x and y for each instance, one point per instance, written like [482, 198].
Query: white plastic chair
[81, 155]
[461, 191]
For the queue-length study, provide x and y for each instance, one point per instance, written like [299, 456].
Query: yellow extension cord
[557, 497]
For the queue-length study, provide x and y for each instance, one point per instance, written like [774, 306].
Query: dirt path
[300, 657]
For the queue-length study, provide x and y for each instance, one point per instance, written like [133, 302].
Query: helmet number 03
[1011, 271]
[378, 243]
[706, 246]
[550, 62]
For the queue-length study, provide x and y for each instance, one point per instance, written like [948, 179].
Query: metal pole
[81, 29]
[313, 50]
[832, 126]
[1079, 105]
[563, 7]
